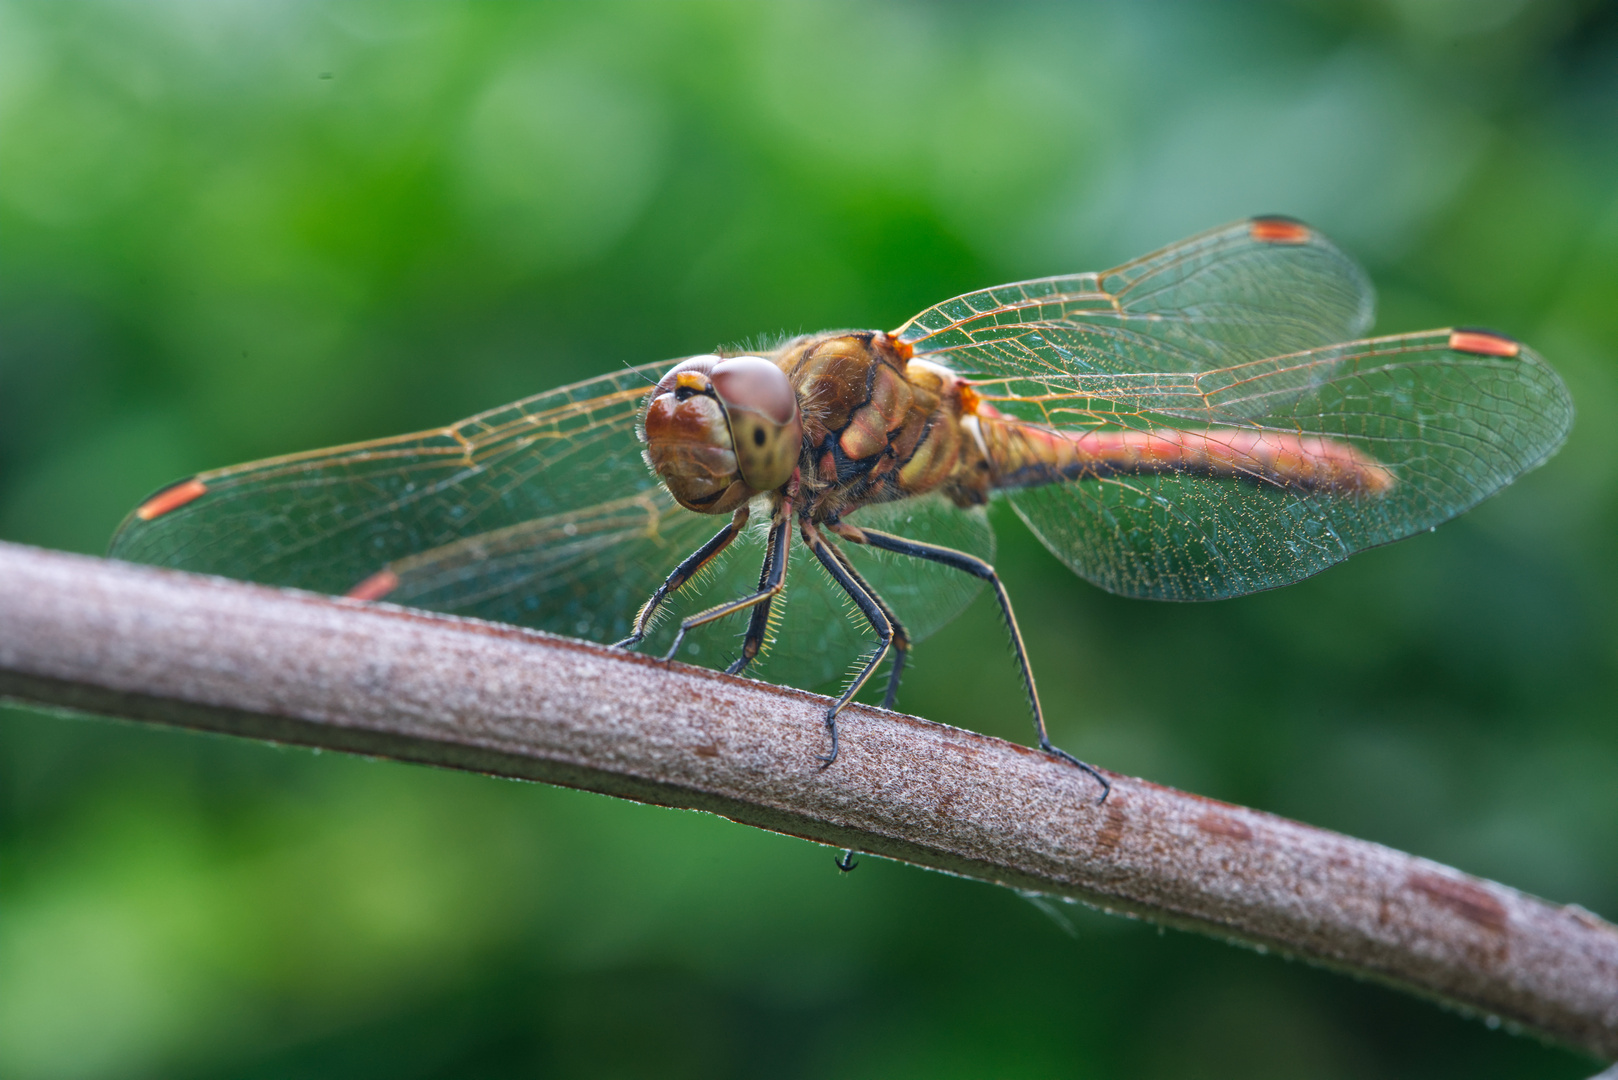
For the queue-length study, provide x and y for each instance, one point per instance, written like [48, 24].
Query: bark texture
[128, 641]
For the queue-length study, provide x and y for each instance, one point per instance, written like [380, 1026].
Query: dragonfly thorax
[720, 431]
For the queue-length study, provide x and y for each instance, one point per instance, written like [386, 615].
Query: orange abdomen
[1027, 455]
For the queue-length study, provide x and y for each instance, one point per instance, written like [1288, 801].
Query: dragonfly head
[719, 431]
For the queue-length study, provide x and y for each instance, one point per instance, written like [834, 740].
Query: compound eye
[766, 430]
[688, 377]
[688, 441]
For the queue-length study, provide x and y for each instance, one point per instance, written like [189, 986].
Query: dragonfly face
[1202, 422]
[720, 431]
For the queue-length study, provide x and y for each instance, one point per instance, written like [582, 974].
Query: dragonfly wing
[583, 573]
[1443, 418]
[1257, 288]
[329, 520]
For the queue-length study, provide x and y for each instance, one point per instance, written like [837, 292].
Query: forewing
[1257, 288]
[1453, 416]
[553, 485]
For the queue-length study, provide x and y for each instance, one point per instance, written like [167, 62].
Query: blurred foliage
[235, 229]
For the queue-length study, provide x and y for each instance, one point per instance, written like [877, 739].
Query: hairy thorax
[880, 425]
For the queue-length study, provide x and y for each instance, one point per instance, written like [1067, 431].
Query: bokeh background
[235, 229]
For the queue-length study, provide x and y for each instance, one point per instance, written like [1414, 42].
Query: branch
[293, 667]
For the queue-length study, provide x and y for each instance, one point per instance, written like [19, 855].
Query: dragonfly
[1202, 422]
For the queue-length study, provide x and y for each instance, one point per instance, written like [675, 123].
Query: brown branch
[130, 641]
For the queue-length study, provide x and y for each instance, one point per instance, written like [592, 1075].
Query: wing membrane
[583, 572]
[327, 519]
[1258, 288]
[1450, 426]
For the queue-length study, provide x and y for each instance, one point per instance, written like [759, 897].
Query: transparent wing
[583, 573]
[1257, 288]
[514, 479]
[1446, 417]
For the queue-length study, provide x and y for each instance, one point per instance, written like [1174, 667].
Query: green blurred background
[235, 229]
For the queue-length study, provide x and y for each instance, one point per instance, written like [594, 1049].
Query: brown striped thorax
[881, 424]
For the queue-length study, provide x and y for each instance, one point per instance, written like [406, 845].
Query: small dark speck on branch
[161, 646]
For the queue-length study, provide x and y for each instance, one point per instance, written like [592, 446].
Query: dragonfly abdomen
[1029, 455]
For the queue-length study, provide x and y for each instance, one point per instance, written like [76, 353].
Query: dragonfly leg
[688, 568]
[775, 575]
[901, 637]
[759, 625]
[874, 612]
[975, 566]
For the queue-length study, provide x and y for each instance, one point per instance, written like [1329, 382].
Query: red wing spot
[1277, 230]
[374, 587]
[171, 498]
[1482, 343]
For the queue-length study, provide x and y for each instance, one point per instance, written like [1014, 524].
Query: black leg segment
[975, 566]
[901, 637]
[874, 614]
[775, 574]
[759, 625]
[683, 573]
